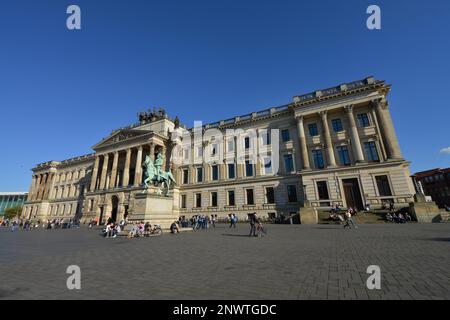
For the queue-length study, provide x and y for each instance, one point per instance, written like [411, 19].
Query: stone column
[126, 170]
[327, 138]
[257, 158]
[32, 186]
[238, 148]
[193, 174]
[207, 171]
[36, 187]
[48, 186]
[138, 170]
[112, 182]
[42, 186]
[354, 135]
[94, 174]
[387, 129]
[302, 141]
[383, 157]
[223, 170]
[104, 172]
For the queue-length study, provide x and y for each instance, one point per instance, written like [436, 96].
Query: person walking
[231, 219]
[253, 221]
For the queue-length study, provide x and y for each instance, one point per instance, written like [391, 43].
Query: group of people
[26, 224]
[112, 229]
[398, 218]
[203, 221]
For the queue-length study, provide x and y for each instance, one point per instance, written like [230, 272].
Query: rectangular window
[270, 195]
[337, 125]
[322, 190]
[199, 174]
[247, 142]
[250, 198]
[292, 193]
[344, 156]
[371, 151]
[213, 199]
[313, 131]
[363, 120]
[185, 176]
[384, 188]
[267, 165]
[285, 137]
[318, 159]
[199, 151]
[288, 163]
[248, 168]
[198, 200]
[183, 201]
[231, 171]
[215, 172]
[231, 201]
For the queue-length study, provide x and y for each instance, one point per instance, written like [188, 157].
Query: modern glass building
[11, 199]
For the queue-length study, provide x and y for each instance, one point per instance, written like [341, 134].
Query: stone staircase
[445, 217]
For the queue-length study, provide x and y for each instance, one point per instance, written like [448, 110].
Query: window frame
[317, 151]
[313, 128]
[288, 135]
[337, 125]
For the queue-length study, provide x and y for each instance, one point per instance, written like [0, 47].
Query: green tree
[11, 213]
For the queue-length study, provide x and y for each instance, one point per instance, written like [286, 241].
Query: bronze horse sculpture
[156, 176]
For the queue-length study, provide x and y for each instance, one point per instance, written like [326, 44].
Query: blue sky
[62, 91]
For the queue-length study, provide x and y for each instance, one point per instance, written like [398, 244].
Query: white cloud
[445, 150]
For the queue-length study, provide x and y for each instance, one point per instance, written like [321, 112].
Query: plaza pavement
[292, 262]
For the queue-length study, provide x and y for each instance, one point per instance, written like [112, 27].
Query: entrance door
[352, 194]
[115, 205]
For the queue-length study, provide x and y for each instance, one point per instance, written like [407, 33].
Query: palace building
[332, 146]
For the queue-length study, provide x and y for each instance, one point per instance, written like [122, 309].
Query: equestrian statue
[154, 174]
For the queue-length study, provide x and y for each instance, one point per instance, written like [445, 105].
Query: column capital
[349, 108]
[380, 103]
[323, 114]
[299, 118]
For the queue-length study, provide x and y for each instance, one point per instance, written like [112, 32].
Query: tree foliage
[11, 213]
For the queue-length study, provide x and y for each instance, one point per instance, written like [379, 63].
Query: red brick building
[436, 183]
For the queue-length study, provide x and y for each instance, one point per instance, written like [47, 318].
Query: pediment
[120, 136]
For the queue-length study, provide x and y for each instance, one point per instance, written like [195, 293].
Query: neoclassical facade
[332, 146]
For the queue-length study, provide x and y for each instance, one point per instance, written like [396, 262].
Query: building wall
[11, 200]
[436, 183]
[354, 117]
[58, 188]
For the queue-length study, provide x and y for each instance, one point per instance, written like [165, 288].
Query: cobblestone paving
[292, 262]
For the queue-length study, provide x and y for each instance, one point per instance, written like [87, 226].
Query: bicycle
[260, 230]
[155, 231]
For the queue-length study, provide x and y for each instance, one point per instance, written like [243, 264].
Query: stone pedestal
[425, 212]
[154, 207]
[308, 214]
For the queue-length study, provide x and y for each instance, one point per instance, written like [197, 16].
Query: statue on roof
[177, 122]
